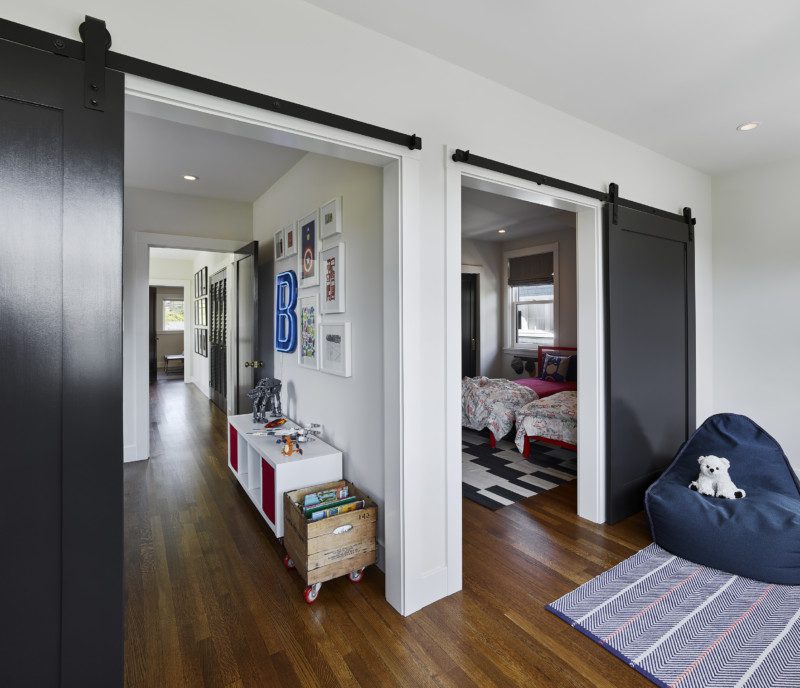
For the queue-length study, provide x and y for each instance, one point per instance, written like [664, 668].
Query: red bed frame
[526, 448]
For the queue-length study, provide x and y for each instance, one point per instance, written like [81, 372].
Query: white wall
[350, 409]
[170, 213]
[350, 70]
[756, 288]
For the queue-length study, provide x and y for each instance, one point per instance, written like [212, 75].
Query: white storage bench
[266, 474]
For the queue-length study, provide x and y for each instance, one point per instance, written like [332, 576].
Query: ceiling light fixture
[501, 231]
[748, 126]
[191, 177]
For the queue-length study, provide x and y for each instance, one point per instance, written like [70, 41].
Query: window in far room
[172, 315]
[532, 280]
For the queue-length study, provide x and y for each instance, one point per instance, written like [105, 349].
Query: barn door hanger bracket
[613, 199]
[690, 222]
[96, 42]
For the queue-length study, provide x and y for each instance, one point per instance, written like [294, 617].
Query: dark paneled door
[246, 324]
[649, 268]
[218, 338]
[60, 365]
[152, 335]
[469, 325]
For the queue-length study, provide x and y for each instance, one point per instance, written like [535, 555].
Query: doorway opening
[203, 185]
[519, 329]
[516, 319]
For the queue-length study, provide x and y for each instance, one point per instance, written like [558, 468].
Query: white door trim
[591, 343]
[408, 583]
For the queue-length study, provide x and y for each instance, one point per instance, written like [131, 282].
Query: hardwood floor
[209, 603]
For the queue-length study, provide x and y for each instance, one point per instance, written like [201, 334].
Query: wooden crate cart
[331, 547]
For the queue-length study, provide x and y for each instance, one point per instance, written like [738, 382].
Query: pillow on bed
[572, 372]
[555, 368]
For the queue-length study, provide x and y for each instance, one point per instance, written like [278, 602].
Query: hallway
[209, 603]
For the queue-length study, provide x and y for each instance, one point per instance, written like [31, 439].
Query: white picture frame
[330, 218]
[290, 240]
[308, 316]
[279, 244]
[333, 285]
[308, 250]
[335, 349]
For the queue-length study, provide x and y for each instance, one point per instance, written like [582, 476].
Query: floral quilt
[554, 417]
[488, 403]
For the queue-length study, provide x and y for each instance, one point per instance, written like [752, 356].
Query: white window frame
[509, 305]
[163, 327]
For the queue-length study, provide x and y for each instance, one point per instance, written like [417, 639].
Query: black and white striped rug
[498, 477]
[683, 625]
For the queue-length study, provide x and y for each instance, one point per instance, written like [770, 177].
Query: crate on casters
[329, 531]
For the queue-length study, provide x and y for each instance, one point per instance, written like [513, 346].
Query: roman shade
[536, 268]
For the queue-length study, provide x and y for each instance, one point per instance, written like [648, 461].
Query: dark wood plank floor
[209, 603]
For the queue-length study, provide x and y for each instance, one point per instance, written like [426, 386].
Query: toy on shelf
[266, 396]
[292, 438]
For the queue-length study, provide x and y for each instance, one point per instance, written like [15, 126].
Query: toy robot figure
[266, 396]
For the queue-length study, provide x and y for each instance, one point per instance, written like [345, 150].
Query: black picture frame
[201, 283]
[201, 341]
[201, 312]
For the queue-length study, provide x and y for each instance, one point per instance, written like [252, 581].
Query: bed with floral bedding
[493, 404]
[552, 420]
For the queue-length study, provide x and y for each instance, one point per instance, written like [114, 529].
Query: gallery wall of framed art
[201, 312]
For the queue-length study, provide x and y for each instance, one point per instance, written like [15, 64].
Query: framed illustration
[201, 282]
[308, 263]
[331, 218]
[289, 241]
[333, 276]
[201, 311]
[335, 355]
[308, 349]
[201, 341]
[280, 245]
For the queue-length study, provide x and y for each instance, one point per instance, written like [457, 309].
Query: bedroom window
[532, 297]
[172, 315]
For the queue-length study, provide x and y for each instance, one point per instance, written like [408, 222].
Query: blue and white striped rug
[684, 625]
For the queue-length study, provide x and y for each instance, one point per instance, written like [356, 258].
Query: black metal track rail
[610, 196]
[42, 40]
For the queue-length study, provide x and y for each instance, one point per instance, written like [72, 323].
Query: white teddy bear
[714, 480]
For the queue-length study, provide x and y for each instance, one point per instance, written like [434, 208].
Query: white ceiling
[675, 76]
[158, 152]
[483, 213]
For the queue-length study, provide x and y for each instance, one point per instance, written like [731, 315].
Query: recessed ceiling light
[501, 231]
[748, 126]
[190, 177]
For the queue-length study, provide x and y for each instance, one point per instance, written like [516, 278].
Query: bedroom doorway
[520, 414]
[585, 215]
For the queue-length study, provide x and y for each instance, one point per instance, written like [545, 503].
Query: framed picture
[201, 341]
[333, 276]
[335, 356]
[201, 282]
[308, 264]
[279, 244]
[331, 218]
[289, 241]
[201, 311]
[308, 349]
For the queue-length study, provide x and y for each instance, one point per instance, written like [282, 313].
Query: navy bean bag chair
[755, 537]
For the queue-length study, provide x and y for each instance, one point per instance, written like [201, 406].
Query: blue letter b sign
[285, 317]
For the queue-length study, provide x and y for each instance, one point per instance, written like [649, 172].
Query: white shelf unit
[265, 473]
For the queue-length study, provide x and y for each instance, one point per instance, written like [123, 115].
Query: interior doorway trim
[590, 344]
[410, 585]
[187, 329]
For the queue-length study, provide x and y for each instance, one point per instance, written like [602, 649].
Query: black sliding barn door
[649, 271]
[60, 373]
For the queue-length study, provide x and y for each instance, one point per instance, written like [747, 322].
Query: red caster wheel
[312, 592]
[357, 576]
[288, 562]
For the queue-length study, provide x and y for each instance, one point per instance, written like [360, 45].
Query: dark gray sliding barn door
[650, 360]
[60, 373]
